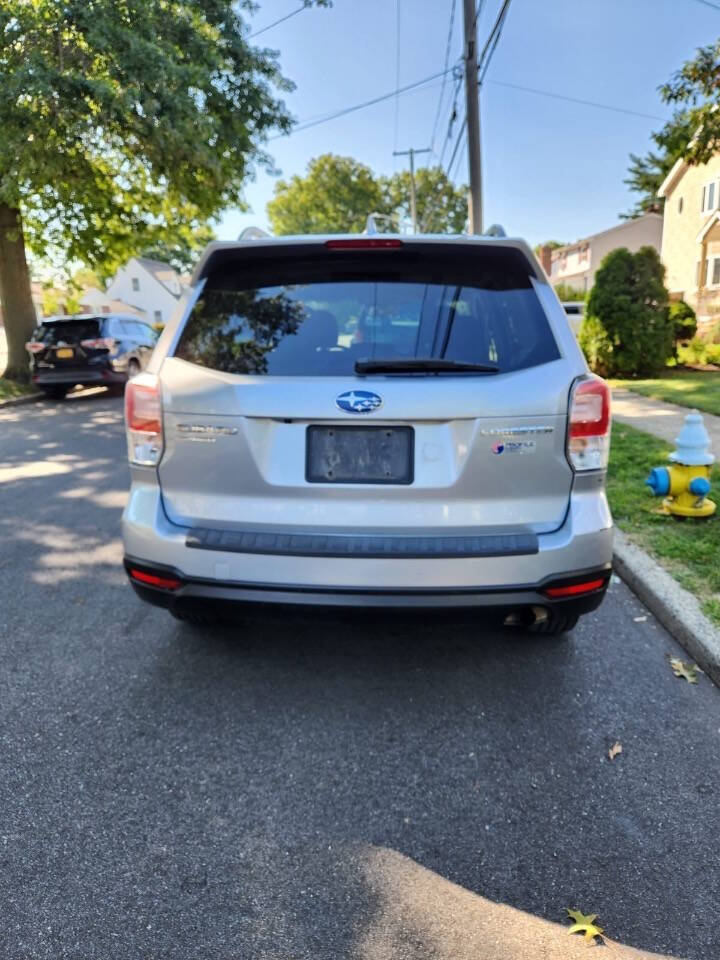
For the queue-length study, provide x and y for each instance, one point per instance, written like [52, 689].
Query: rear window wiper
[422, 365]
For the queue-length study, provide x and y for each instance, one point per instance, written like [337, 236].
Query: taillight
[143, 420]
[588, 443]
[99, 343]
[34, 346]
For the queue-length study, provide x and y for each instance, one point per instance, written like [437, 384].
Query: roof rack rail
[496, 230]
[253, 233]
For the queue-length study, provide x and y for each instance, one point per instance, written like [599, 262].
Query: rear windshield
[318, 316]
[69, 331]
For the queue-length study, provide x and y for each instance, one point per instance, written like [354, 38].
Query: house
[691, 236]
[148, 288]
[576, 264]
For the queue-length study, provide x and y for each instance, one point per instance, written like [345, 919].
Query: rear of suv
[370, 422]
[88, 350]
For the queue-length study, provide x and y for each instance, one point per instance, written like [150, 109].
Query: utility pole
[472, 101]
[413, 200]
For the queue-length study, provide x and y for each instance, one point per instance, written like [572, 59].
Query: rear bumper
[83, 375]
[580, 548]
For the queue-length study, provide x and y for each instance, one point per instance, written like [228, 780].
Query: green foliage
[566, 293]
[627, 330]
[683, 319]
[335, 196]
[696, 86]
[552, 244]
[338, 193]
[690, 551]
[441, 206]
[183, 250]
[647, 173]
[128, 124]
[696, 389]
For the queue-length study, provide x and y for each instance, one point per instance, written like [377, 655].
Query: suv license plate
[340, 454]
[64, 353]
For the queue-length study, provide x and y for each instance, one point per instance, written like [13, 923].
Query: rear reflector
[365, 243]
[575, 588]
[164, 583]
[34, 346]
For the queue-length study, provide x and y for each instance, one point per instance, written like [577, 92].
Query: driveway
[384, 790]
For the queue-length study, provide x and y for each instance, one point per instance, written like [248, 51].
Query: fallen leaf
[584, 924]
[688, 671]
[614, 750]
[639, 619]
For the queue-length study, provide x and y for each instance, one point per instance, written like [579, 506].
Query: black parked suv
[88, 350]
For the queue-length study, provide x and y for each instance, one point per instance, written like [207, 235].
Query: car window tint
[307, 323]
[69, 331]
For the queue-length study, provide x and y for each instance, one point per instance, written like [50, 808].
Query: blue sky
[551, 168]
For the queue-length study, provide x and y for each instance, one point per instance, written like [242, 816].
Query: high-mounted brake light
[34, 346]
[152, 580]
[588, 440]
[365, 243]
[99, 343]
[143, 420]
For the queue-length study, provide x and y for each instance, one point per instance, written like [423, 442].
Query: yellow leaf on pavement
[614, 750]
[688, 671]
[585, 924]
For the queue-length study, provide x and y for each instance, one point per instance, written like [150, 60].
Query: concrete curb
[676, 608]
[17, 401]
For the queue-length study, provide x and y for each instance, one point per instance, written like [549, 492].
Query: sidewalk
[663, 420]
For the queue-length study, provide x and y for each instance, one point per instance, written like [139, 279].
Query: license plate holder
[360, 454]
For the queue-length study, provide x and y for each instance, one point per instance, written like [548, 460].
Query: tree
[441, 206]
[550, 244]
[182, 252]
[696, 86]
[335, 196]
[338, 193]
[627, 329]
[684, 320]
[123, 123]
[647, 173]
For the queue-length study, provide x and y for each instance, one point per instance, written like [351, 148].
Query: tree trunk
[15, 294]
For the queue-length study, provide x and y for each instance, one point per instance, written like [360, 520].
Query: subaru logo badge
[358, 401]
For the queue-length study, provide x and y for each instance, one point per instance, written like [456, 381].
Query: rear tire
[555, 624]
[56, 392]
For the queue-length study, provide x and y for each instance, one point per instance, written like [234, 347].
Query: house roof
[673, 178]
[625, 224]
[162, 272]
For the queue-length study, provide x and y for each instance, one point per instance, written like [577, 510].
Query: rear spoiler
[221, 253]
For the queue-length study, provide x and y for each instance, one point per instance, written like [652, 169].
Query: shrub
[628, 330]
[569, 294]
[712, 354]
[693, 352]
[684, 320]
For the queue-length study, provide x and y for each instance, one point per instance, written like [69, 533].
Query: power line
[287, 16]
[492, 41]
[365, 103]
[707, 3]
[447, 61]
[585, 103]
[453, 115]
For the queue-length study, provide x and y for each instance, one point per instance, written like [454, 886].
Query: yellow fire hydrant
[685, 484]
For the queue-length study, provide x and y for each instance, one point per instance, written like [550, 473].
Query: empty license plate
[359, 454]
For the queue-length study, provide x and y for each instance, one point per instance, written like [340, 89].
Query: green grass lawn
[8, 389]
[689, 550]
[689, 388]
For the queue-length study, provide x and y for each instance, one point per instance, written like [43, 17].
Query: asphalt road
[290, 790]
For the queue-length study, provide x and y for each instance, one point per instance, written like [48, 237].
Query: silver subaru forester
[370, 421]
